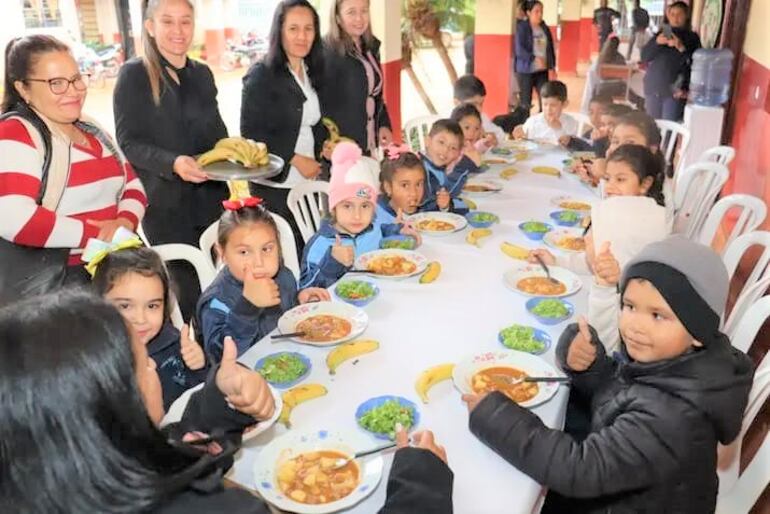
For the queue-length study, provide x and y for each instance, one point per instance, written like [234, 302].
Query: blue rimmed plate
[539, 336]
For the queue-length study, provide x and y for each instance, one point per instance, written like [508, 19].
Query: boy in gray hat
[658, 413]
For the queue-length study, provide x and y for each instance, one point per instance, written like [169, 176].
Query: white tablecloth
[419, 326]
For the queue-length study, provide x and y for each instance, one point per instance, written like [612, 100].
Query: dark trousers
[527, 81]
[275, 200]
[664, 107]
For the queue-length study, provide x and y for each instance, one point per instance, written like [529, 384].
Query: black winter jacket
[175, 376]
[654, 431]
[669, 69]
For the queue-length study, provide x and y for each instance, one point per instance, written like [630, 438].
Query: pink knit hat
[353, 175]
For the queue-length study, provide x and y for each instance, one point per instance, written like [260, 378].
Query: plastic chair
[670, 132]
[584, 122]
[695, 190]
[416, 131]
[206, 244]
[747, 297]
[722, 154]
[753, 212]
[308, 202]
[757, 282]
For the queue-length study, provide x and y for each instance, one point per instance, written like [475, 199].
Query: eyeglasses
[60, 85]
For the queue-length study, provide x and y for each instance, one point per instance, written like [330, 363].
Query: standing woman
[535, 57]
[353, 97]
[165, 113]
[280, 103]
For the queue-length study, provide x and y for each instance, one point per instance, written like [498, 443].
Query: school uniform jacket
[454, 181]
[175, 376]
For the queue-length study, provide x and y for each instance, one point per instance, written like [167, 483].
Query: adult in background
[166, 113]
[49, 148]
[603, 17]
[353, 98]
[640, 20]
[669, 56]
[535, 56]
[280, 103]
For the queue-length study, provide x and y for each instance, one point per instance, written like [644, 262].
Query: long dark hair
[21, 55]
[645, 164]
[76, 436]
[276, 55]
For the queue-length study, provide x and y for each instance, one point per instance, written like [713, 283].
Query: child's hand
[342, 254]
[408, 230]
[472, 400]
[564, 140]
[606, 267]
[518, 132]
[490, 140]
[443, 199]
[423, 440]
[192, 353]
[547, 257]
[260, 291]
[244, 389]
[581, 353]
[313, 294]
[473, 154]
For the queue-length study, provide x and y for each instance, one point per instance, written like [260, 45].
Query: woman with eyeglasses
[63, 180]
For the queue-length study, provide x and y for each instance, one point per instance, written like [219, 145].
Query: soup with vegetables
[506, 380]
[575, 206]
[323, 328]
[311, 477]
[433, 225]
[541, 286]
[576, 244]
[391, 265]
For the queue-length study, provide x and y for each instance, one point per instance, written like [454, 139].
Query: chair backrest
[746, 298]
[738, 248]
[206, 244]
[695, 190]
[752, 214]
[722, 154]
[308, 202]
[416, 131]
[670, 133]
[584, 122]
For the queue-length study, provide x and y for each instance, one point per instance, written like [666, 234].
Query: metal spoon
[344, 462]
[545, 268]
[508, 380]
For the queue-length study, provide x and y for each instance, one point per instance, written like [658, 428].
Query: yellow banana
[514, 251]
[546, 170]
[348, 351]
[431, 377]
[297, 395]
[470, 203]
[475, 235]
[228, 142]
[507, 173]
[334, 131]
[215, 155]
[521, 156]
[431, 273]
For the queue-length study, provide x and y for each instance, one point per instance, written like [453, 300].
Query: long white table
[419, 326]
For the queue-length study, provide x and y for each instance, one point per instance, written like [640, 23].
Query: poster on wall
[711, 22]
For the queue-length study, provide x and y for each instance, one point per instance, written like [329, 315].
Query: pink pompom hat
[353, 175]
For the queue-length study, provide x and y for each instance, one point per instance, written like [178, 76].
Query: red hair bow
[394, 151]
[236, 205]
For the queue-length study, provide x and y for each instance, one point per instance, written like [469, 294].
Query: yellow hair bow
[96, 251]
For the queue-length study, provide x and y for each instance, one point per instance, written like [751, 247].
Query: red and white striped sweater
[95, 191]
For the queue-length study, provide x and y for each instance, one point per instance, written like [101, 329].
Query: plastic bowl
[533, 302]
[555, 217]
[535, 236]
[480, 224]
[285, 385]
[412, 242]
[539, 335]
[377, 402]
[358, 302]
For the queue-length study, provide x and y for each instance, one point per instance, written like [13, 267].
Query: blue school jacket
[436, 178]
[175, 378]
[385, 214]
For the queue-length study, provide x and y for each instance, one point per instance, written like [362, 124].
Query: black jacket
[345, 92]
[654, 431]
[152, 137]
[668, 68]
[175, 377]
[271, 112]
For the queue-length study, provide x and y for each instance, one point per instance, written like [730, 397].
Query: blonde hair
[338, 39]
[152, 57]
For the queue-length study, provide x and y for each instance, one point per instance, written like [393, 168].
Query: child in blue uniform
[442, 185]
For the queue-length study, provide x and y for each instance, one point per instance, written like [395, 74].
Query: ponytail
[21, 54]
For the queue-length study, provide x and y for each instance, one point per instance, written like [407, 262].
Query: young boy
[552, 123]
[592, 171]
[442, 184]
[658, 413]
[475, 144]
[593, 140]
[469, 89]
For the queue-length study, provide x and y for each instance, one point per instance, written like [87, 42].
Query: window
[42, 13]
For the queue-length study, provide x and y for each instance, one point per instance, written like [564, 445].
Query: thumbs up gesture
[581, 353]
[342, 254]
[260, 290]
[192, 353]
[606, 267]
[245, 389]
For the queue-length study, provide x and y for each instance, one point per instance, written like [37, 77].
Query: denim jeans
[664, 107]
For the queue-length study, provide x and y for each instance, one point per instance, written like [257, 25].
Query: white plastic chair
[695, 190]
[584, 122]
[670, 132]
[758, 281]
[753, 212]
[308, 202]
[747, 297]
[722, 154]
[416, 131]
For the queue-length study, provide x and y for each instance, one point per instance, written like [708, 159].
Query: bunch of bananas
[245, 152]
[334, 137]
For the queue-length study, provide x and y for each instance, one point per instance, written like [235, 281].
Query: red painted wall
[569, 46]
[586, 36]
[391, 85]
[492, 57]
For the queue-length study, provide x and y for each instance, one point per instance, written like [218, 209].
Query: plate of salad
[481, 219]
[284, 369]
[550, 311]
[566, 218]
[524, 339]
[380, 415]
[357, 292]
[399, 242]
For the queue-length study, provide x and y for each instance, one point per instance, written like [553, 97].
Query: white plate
[458, 221]
[554, 236]
[358, 319]
[362, 262]
[530, 364]
[558, 200]
[521, 145]
[177, 408]
[524, 270]
[493, 185]
[295, 443]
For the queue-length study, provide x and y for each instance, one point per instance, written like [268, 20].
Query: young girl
[475, 141]
[444, 182]
[350, 229]
[136, 282]
[402, 183]
[254, 287]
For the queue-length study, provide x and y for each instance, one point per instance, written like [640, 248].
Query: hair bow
[96, 250]
[394, 151]
[239, 203]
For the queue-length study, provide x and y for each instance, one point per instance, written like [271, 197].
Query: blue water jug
[710, 77]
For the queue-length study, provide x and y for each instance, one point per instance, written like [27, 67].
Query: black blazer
[345, 94]
[271, 112]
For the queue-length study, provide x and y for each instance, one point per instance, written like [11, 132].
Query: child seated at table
[475, 143]
[594, 139]
[657, 413]
[254, 288]
[444, 182]
[136, 282]
[552, 123]
[402, 184]
[469, 89]
[591, 171]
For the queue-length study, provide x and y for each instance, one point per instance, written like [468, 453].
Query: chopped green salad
[535, 226]
[519, 337]
[501, 151]
[400, 244]
[383, 419]
[282, 368]
[568, 217]
[484, 217]
[355, 290]
[550, 309]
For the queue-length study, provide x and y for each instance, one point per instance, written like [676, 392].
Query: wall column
[587, 35]
[492, 51]
[212, 17]
[551, 18]
[386, 25]
[107, 20]
[569, 45]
